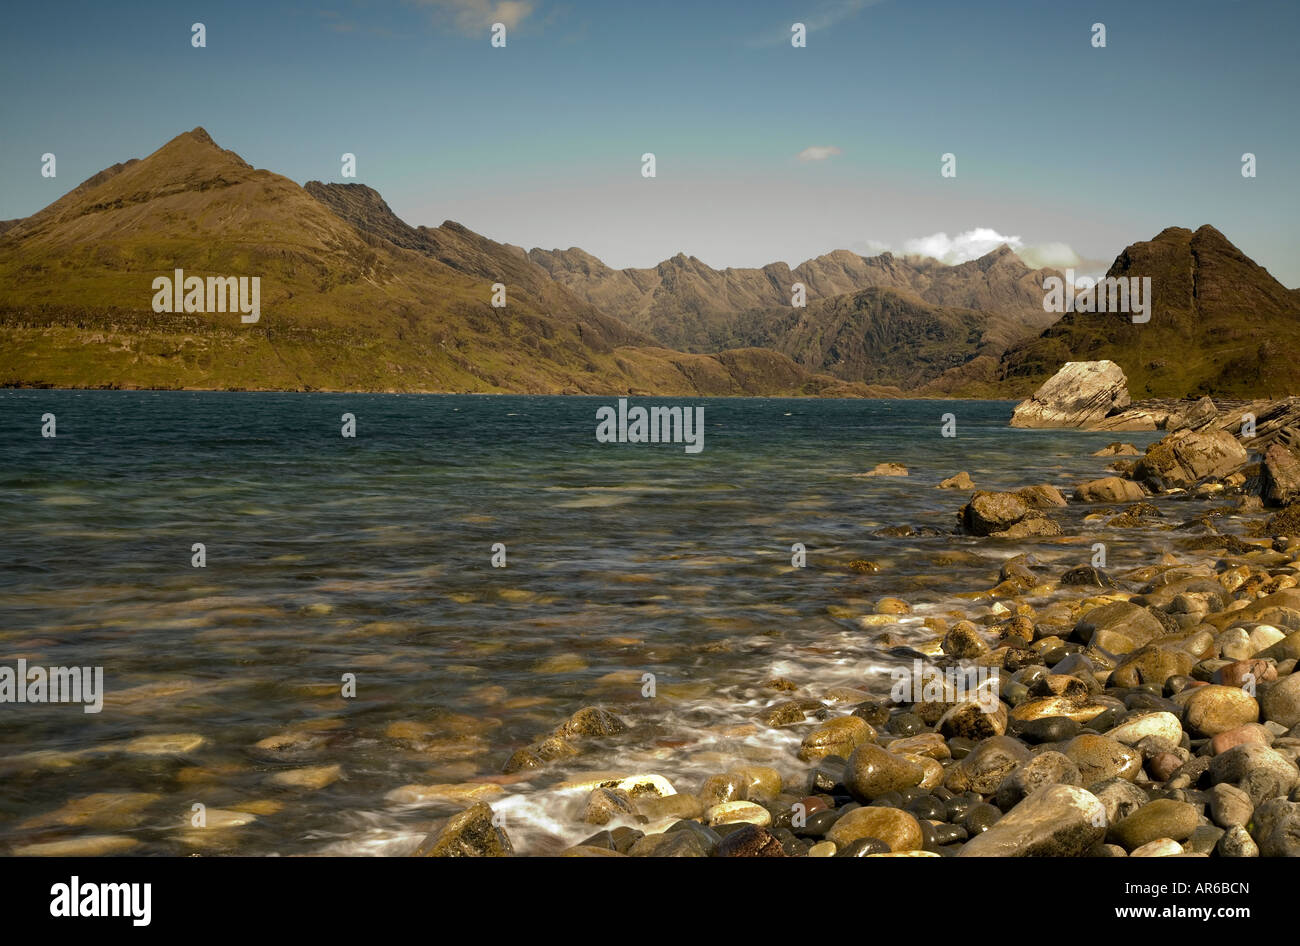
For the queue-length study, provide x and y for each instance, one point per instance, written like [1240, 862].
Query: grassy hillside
[342, 308]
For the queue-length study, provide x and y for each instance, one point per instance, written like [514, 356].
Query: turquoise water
[372, 556]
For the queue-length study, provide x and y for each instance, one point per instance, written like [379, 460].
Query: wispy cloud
[823, 15]
[819, 153]
[471, 16]
[972, 244]
[964, 246]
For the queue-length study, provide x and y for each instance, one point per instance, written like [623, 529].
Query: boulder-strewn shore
[1153, 712]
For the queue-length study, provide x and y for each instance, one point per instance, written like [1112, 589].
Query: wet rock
[960, 481]
[591, 722]
[717, 789]
[1162, 818]
[892, 606]
[750, 841]
[730, 812]
[673, 844]
[1046, 768]
[1048, 729]
[963, 641]
[1100, 758]
[92, 845]
[887, 469]
[827, 774]
[1109, 489]
[680, 805]
[1003, 515]
[1087, 576]
[839, 736]
[974, 720]
[471, 833]
[1280, 476]
[1041, 496]
[896, 828]
[987, 765]
[872, 771]
[863, 847]
[1132, 621]
[784, 713]
[1152, 664]
[1118, 449]
[1055, 821]
[606, 804]
[114, 810]
[1186, 456]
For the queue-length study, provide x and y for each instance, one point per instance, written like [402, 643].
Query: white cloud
[960, 248]
[819, 153]
[972, 244]
[474, 15]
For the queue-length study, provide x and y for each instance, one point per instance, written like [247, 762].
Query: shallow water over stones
[372, 557]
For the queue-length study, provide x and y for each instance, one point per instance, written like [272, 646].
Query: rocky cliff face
[1220, 325]
[882, 319]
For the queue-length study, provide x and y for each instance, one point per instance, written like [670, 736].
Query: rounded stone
[862, 847]
[895, 827]
[1046, 768]
[1162, 818]
[872, 771]
[973, 720]
[1280, 702]
[1214, 709]
[1162, 725]
[1261, 772]
[1230, 806]
[987, 765]
[1161, 847]
[839, 736]
[1100, 758]
[731, 812]
[750, 841]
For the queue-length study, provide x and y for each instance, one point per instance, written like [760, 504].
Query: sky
[763, 151]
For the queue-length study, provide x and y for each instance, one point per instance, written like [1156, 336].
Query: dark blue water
[372, 556]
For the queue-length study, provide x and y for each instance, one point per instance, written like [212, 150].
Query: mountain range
[354, 298]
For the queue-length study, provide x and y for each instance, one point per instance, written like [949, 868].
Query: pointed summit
[1220, 324]
[200, 134]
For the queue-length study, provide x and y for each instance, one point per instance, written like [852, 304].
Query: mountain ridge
[343, 308]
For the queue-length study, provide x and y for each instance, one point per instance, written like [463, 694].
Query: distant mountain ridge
[354, 298]
[684, 303]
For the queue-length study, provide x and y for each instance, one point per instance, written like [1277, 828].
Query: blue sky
[1067, 147]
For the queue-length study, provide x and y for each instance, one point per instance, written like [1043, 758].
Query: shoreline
[1150, 712]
